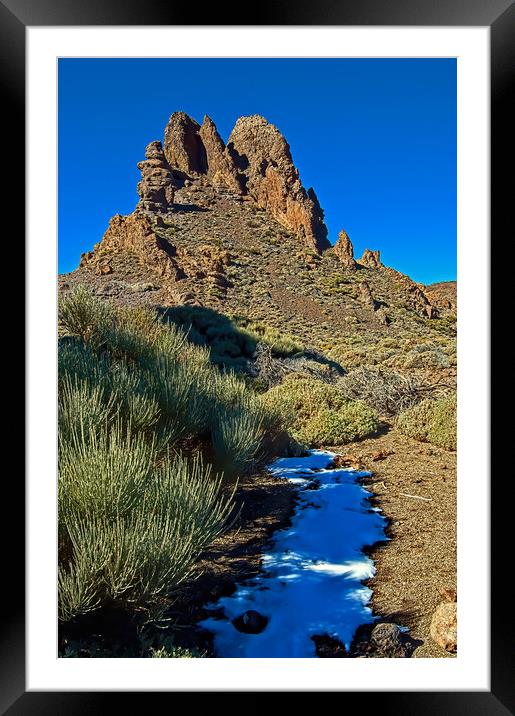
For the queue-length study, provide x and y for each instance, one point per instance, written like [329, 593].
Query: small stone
[250, 622]
[444, 626]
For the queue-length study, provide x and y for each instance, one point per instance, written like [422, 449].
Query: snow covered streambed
[312, 577]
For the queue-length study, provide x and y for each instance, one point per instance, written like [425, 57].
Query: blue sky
[376, 138]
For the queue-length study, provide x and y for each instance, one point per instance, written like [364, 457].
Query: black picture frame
[15, 16]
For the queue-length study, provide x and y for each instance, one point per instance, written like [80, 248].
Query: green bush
[433, 421]
[149, 432]
[318, 413]
[130, 527]
[83, 316]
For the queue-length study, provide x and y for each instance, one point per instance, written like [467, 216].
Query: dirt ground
[420, 558]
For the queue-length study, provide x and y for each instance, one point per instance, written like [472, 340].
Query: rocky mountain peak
[220, 169]
[371, 259]
[263, 156]
[183, 146]
[344, 250]
[256, 163]
[157, 185]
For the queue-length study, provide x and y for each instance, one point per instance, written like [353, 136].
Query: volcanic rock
[344, 250]
[135, 233]
[383, 640]
[183, 146]
[263, 156]
[371, 259]
[220, 168]
[250, 622]
[413, 295]
[156, 188]
[444, 626]
[365, 295]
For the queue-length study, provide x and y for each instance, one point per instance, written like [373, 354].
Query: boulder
[250, 622]
[444, 626]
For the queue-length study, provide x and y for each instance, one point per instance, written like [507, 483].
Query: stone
[157, 186]
[371, 259]
[135, 233]
[263, 157]
[250, 622]
[448, 594]
[344, 250]
[183, 147]
[444, 626]
[413, 295]
[383, 640]
[220, 167]
[365, 295]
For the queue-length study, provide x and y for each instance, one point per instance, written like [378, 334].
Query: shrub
[386, 391]
[83, 316]
[336, 427]
[236, 436]
[431, 421]
[319, 413]
[148, 431]
[130, 528]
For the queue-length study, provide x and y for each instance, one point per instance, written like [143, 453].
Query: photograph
[257, 357]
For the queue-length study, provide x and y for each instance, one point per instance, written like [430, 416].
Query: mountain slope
[232, 228]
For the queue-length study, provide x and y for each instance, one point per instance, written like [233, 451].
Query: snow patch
[312, 577]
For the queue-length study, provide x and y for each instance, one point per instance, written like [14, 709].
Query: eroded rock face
[444, 626]
[135, 233]
[183, 145]
[221, 170]
[157, 186]
[365, 295]
[371, 259]
[344, 250]
[414, 297]
[263, 157]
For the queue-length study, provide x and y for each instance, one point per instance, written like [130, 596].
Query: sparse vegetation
[386, 391]
[232, 340]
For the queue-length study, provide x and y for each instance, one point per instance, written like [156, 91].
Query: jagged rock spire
[156, 188]
[183, 146]
[371, 259]
[221, 169]
[257, 161]
[344, 250]
[263, 156]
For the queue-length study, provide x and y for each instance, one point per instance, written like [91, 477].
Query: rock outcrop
[414, 297]
[183, 147]
[157, 185]
[371, 259]
[344, 250]
[365, 295]
[442, 295]
[256, 162]
[263, 156]
[135, 233]
[220, 169]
